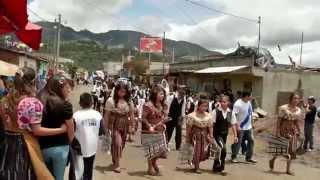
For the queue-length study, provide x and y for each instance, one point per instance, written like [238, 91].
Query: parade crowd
[41, 135]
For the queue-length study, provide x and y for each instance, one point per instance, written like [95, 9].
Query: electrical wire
[222, 12]
[37, 15]
[189, 17]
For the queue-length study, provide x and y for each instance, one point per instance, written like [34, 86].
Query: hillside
[90, 49]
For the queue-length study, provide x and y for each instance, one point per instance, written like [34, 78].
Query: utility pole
[259, 35]
[163, 52]
[173, 56]
[58, 43]
[301, 48]
[149, 62]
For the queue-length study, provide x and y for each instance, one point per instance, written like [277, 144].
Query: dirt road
[134, 164]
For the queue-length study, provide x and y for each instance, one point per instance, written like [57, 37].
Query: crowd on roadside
[40, 134]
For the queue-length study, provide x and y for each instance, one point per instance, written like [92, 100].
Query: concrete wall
[159, 66]
[276, 81]
[221, 62]
[112, 68]
[28, 62]
[197, 82]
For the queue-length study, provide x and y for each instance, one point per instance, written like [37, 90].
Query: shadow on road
[136, 146]
[142, 174]
[274, 172]
[191, 170]
[103, 169]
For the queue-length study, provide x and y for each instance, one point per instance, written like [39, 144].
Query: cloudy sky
[283, 21]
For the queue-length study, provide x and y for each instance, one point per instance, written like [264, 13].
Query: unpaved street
[134, 165]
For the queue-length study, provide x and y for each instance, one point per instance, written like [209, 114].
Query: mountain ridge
[113, 39]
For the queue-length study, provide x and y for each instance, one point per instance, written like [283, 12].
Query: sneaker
[234, 160]
[251, 161]
[309, 150]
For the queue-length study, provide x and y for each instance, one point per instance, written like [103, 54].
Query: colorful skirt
[201, 145]
[154, 145]
[289, 130]
[15, 162]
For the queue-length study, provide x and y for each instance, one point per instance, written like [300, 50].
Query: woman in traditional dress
[21, 113]
[288, 127]
[154, 117]
[118, 114]
[200, 132]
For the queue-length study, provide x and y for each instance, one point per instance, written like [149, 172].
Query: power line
[37, 15]
[189, 17]
[222, 12]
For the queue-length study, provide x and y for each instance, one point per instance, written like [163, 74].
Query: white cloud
[147, 25]
[95, 15]
[282, 22]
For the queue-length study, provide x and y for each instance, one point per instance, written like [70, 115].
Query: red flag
[14, 12]
[14, 18]
[151, 45]
[30, 35]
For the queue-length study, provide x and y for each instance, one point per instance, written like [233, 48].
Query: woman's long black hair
[54, 91]
[121, 85]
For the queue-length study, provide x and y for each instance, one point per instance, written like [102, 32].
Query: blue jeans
[247, 135]
[308, 132]
[56, 159]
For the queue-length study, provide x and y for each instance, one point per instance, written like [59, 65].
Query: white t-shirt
[87, 130]
[243, 112]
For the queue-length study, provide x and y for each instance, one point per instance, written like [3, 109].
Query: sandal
[151, 173]
[117, 170]
[290, 173]
[197, 171]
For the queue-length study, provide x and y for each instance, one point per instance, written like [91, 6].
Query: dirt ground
[134, 166]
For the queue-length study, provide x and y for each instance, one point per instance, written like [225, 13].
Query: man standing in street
[311, 112]
[177, 111]
[243, 111]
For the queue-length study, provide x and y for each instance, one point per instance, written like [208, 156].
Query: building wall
[112, 68]
[221, 62]
[199, 82]
[158, 66]
[28, 62]
[285, 81]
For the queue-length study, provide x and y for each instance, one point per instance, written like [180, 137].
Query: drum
[154, 145]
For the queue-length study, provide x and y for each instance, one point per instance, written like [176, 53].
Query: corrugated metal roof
[214, 70]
